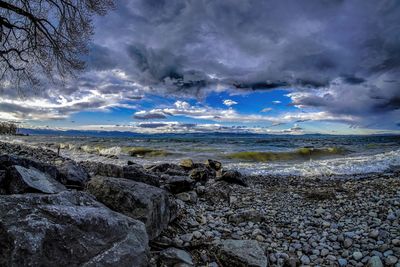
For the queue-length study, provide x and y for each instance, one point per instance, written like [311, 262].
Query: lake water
[305, 155]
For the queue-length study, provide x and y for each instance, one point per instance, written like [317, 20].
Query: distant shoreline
[116, 134]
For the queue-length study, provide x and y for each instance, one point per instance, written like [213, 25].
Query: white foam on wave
[338, 166]
[115, 150]
[349, 165]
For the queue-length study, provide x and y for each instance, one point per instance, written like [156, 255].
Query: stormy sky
[231, 65]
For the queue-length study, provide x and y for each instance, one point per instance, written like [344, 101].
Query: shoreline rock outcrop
[66, 171]
[25, 180]
[68, 229]
[153, 206]
[132, 172]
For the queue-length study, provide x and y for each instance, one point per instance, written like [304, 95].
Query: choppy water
[279, 155]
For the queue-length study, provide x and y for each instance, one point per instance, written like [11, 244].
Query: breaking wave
[299, 154]
[349, 165]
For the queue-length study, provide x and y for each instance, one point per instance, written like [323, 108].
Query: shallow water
[306, 155]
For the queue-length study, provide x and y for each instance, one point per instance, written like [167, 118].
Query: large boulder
[168, 169]
[68, 229]
[241, 253]
[7, 161]
[24, 180]
[213, 164]
[151, 205]
[202, 174]
[175, 257]
[233, 177]
[132, 172]
[65, 171]
[178, 184]
[3, 182]
[72, 174]
[217, 192]
[139, 174]
[104, 169]
[187, 164]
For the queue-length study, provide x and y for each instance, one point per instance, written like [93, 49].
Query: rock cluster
[64, 170]
[45, 221]
[59, 212]
[295, 221]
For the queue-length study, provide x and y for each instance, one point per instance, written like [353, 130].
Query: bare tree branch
[45, 38]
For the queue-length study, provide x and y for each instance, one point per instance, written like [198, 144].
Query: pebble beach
[191, 214]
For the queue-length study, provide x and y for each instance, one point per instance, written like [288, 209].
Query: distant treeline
[8, 128]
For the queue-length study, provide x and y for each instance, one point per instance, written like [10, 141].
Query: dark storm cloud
[376, 101]
[152, 125]
[189, 47]
[260, 44]
[100, 58]
[170, 125]
[260, 85]
[149, 116]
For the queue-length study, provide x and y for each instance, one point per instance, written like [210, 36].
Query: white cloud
[266, 109]
[98, 91]
[152, 127]
[229, 102]
[277, 102]
[182, 104]
[230, 115]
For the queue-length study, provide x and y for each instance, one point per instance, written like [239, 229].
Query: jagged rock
[291, 261]
[202, 174]
[187, 164]
[139, 174]
[213, 164]
[104, 169]
[151, 205]
[67, 172]
[178, 184]
[163, 167]
[168, 168]
[132, 172]
[68, 229]
[25, 180]
[28, 152]
[190, 196]
[64, 170]
[72, 174]
[217, 192]
[233, 177]
[241, 253]
[2, 182]
[9, 160]
[130, 163]
[174, 256]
